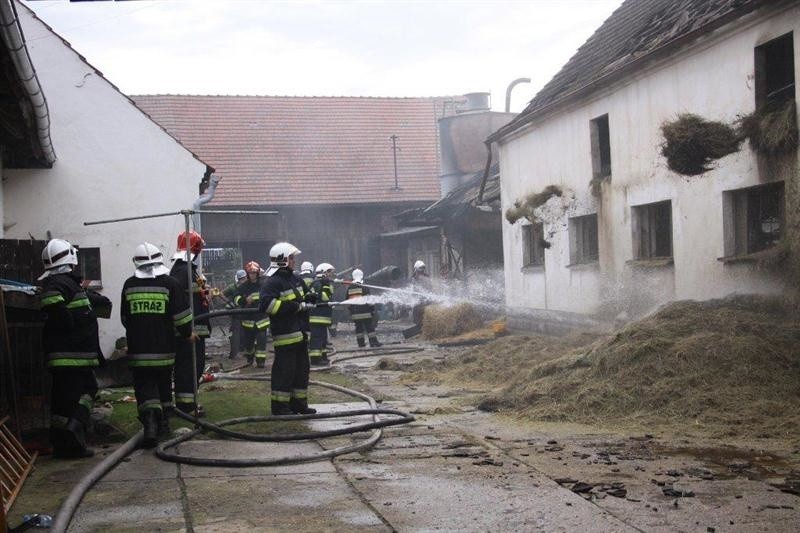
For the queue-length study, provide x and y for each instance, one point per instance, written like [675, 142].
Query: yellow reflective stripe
[81, 302]
[322, 320]
[300, 394]
[50, 300]
[249, 324]
[280, 396]
[289, 338]
[182, 318]
[263, 324]
[273, 306]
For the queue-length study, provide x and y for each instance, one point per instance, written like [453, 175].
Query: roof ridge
[336, 97]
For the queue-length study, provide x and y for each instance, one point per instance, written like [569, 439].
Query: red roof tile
[281, 150]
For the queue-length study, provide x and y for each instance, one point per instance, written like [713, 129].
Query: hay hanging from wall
[691, 143]
[771, 129]
[526, 206]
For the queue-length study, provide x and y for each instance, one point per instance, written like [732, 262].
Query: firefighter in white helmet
[71, 346]
[320, 318]
[420, 282]
[286, 301]
[154, 307]
[363, 314]
[307, 273]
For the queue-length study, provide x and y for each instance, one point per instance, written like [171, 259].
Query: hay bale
[772, 129]
[722, 367]
[691, 143]
[526, 206]
[441, 321]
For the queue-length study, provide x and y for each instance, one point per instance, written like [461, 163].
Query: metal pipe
[486, 170]
[181, 212]
[511, 88]
[203, 199]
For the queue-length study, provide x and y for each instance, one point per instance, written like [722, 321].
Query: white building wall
[713, 80]
[112, 162]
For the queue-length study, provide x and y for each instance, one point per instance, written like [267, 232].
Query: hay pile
[441, 321]
[724, 367]
[772, 129]
[526, 206]
[691, 143]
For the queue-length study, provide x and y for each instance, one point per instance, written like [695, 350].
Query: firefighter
[184, 380]
[420, 282]
[71, 346]
[307, 273]
[362, 314]
[236, 323]
[320, 317]
[285, 299]
[254, 328]
[154, 307]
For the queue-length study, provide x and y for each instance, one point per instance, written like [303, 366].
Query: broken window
[601, 147]
[583, 239]
[754, 218]
[534, 244]
[89, 266]
[774, 71]
[652, 230]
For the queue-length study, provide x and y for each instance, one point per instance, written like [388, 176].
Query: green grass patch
[223, 400]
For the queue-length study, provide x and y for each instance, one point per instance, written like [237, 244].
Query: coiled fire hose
[73, 500]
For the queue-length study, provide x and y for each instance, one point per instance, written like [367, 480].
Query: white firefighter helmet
[358, 275]
[240, 275]
[306, 267]
[149, 261]
[279, 256]
[324, 268]
[419, 265]
[58, 257]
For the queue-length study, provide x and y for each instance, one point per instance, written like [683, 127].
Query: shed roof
[635, 32]
[284, 150]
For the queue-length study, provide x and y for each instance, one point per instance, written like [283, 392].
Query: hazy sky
[328, 48]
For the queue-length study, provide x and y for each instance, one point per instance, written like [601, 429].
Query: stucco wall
[715, 80]
[112, 162]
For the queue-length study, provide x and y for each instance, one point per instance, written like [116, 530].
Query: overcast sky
[327, 48]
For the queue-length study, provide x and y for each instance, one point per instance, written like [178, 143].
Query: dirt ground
[455, 468]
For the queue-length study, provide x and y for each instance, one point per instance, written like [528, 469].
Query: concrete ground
[455, 468]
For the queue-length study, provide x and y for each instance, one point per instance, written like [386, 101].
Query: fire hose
[73, 500]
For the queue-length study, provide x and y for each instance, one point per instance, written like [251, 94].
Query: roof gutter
[660, 52]
[12, 36]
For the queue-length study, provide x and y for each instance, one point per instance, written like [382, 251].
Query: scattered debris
[581, 487]
[565, 480]
[386, 363]
[672, 492]
[488, 462]
[691, 143]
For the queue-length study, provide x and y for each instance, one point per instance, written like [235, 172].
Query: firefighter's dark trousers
[184, 380]
[254, 343]
[152, 386]
[73, 391]
[318, 346]
[366, 328]
[290, 373]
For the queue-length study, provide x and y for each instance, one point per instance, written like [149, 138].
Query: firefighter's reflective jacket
[280, 299]
[199, 295]
[152, 310]
[252, 290]
[360, 311]
[323, 288]
[70, 335]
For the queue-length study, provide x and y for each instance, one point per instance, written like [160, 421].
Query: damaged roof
[285, 150]
[460, 200]
[635, 32]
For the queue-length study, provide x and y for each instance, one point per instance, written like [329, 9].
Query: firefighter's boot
[300, 406]
[163, 426]
[280, 408]
[150, 422]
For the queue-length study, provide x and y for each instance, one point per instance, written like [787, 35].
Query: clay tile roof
[635, 31]
[283, 150]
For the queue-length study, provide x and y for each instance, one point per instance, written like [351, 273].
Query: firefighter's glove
[310, 298]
